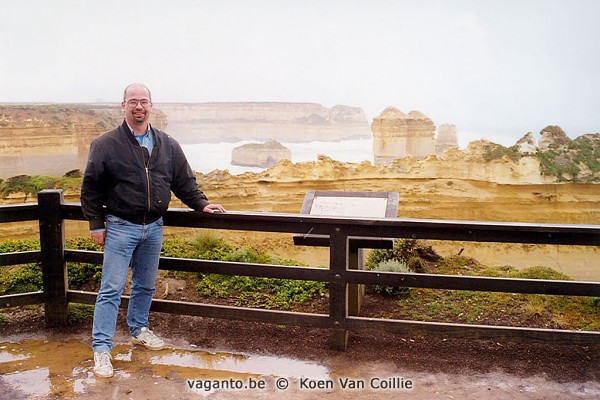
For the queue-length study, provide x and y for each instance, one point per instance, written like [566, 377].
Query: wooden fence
[51, 212]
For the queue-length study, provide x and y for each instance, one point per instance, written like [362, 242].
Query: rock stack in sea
[446, 138]
[397, 135]
[263, 155]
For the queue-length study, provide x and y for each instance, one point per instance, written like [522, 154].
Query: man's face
[137, 105]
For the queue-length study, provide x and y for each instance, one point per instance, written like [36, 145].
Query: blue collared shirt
[146, 140]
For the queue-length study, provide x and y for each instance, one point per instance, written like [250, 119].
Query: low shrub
[391, 266]
[417, 256]
[20, 279]
[82, 275]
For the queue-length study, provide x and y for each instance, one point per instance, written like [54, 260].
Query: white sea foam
[206, 157]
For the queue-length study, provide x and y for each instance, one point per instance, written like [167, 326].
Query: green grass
[79, 313]
[487, 308]
[20, 278]
[496, 308]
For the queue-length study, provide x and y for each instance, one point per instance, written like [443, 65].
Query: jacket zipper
[146, 168]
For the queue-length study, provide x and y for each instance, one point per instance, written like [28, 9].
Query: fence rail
[51, 211]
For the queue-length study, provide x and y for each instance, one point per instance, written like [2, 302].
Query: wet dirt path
[59, 366]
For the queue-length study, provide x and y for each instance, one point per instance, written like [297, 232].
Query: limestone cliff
[261, 155]
[455, 164]
[453, 188]
[567, 160]
[51, 139]
[285, 122]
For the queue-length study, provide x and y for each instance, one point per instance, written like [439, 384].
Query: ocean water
[206, 157]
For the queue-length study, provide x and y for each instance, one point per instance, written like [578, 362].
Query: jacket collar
[124, 128]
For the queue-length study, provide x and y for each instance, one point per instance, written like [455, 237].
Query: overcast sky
[496, 69]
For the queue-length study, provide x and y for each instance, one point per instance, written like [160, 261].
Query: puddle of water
[64, 369]
[254, 365]
[42, 369]
[32, 383]
[11, 354]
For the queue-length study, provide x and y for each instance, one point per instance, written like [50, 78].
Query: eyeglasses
[133, 102]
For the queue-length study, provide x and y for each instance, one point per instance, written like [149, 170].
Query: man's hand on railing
[213, 208]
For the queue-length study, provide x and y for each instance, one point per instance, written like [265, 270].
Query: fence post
[356, 292]
[54, 266]
[338, 294]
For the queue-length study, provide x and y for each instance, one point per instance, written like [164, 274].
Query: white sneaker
[149, 339]
[102, 366]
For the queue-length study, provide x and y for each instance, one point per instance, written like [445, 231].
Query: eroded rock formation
[465, 164]
[421, 135]
[527, 145]
[569, 160]
[397, 135]
[553, 138]
[263, 155]
[389, 135]
[446, 138]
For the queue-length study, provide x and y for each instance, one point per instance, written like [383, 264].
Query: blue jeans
[126, 244]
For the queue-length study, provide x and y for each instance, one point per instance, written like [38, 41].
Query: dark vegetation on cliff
[31, 185]
[576, 161]
[471, 307]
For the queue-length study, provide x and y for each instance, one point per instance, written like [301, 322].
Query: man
[126, 189]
